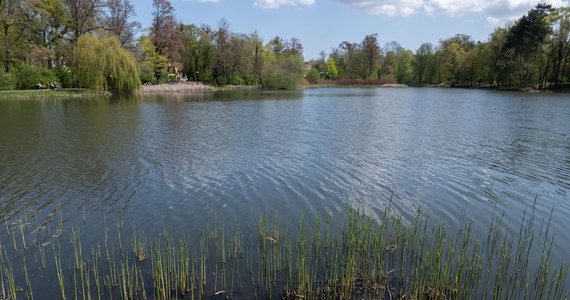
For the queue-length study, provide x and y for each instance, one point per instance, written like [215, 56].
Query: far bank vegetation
[44, 42]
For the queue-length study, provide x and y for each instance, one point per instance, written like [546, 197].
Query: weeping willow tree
[102, 64]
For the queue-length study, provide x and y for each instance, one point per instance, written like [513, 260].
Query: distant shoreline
[197, 87]
[175, 88]
[191, 86]
[327, 85]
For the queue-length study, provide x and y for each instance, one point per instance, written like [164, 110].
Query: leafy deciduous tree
[14, 21]
[371, 51]
[423, 55]
[331, 69]
[84, 16]
[152, 65]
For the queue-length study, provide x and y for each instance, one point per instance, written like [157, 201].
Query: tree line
[97, 44]
[533, 51]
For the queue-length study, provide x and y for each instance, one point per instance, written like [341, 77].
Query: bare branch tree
[117, 21]
[165, 32]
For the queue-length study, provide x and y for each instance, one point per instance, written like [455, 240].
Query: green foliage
[28, 76]
[526, 39]
[152, 64]
[236, 80]
[313, 76]
[532, 52]
[172, 78]
[102, 64]
[7, 81]
[220, 81]
[454, 54]
[359, 67]
[64, 77]
[404, 72]
[146, 73]
[370, 50]
[282, 72]
[331, 69]
[530, 31]
[422, 63]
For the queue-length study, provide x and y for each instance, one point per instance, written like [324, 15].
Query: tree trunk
[6, 49]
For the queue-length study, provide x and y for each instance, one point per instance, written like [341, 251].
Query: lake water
[157, 159]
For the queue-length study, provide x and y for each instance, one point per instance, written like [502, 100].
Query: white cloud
[385, 7]
[494, 22]
[455, 7]
[278, 3]
[497, 10]
[406, 11]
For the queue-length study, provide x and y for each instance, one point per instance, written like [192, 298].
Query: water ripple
[291, 154]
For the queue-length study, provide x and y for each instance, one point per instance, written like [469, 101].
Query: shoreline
[197, 87]
[175, 88]
[193, 87]
[325, 85]
[63, 93]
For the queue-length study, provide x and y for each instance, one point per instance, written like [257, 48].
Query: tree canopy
[103, 65]
[52, 36]
[533, 51]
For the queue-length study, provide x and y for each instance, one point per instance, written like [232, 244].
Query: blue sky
[321, 25]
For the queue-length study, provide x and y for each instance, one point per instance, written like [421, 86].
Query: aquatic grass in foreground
[364, 257]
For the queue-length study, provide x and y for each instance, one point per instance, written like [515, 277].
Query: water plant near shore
[364, 257]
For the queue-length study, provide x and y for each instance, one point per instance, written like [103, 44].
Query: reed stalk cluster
[321, 259]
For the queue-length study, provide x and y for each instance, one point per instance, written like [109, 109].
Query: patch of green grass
[63, 93]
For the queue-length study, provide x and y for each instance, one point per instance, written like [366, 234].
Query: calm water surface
[171, 159]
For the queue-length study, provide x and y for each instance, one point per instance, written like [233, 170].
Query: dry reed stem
[176, 88]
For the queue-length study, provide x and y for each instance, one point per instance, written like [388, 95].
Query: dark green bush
[221, 81]
[172, 78]
[146, 74]
[249, 79]
[313, 76]
[283, 73]
[236, 80]
[28, 76]
[64, 77]
[7, 81]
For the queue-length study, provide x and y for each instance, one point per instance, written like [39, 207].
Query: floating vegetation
[361, 258]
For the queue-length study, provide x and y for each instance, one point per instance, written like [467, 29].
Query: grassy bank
[364, 258]
[63, 93]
